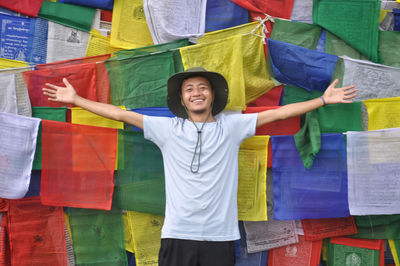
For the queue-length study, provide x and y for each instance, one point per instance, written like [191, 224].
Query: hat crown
[196, 69]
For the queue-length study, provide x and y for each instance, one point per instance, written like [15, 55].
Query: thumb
[65, 81]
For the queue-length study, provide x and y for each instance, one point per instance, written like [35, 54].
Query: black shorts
[180, 252]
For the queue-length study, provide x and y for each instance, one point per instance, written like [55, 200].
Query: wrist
[323, 100]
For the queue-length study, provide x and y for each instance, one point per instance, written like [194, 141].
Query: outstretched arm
[331, 95]
[68, 94]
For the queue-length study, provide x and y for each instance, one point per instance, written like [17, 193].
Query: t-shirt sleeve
[157, 129]
[242, 126]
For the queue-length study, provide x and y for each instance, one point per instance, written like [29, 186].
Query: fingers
[334, 83]
[52, 86]
[350, 91]
[66, 82]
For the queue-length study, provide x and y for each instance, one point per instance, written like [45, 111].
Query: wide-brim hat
[218, 84]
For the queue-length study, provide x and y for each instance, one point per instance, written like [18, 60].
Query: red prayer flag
[82, 77]
[315, 229]
[5, 257]
[302, 253]
[26, 7]
[77, 165]
[288, 126]
[271, 98]
[275, 8]
[36, 233]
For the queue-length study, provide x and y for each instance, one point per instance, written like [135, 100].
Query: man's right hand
[65, 94]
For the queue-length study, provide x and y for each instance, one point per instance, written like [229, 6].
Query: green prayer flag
[141, 81]
[378, 226]
[74, 16]
[308, 139]
[389, 52]
[293, 94]
[341, 117]
[140, 184]
[47, 113]
[354, 21]
[98, 237]
[339, 255]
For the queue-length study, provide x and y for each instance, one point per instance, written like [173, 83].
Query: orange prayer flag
[315, 229]
[77, 165]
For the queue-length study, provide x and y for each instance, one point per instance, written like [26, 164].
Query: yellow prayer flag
[66, 219]
[129, 244]
[394, 252]
[229, 32]
[383, 113]
[383, 14]
[146, 232]
[129, 28]
[252, 188]
[8, 63]
[99, 44]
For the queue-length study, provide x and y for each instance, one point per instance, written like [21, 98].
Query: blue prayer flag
[152, 111]
[102, 4]
[34, 185]
[321, 191]
[222, 14]
[243, 258]
[302, 67]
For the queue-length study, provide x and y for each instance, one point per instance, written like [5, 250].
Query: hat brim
[218, 84]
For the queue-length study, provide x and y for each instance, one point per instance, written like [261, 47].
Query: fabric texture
[276, 8]
[8, 97]
[382, 113]
[318, 229]
[377, 226]
[212, 214]
[102, 4]
[222, 14]
[388, 54]
[26, 7]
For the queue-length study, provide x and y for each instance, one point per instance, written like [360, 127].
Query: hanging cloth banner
[321, 191]
[303, 253]
[243, 258]
[270, 98]
[302, 11]
[339, 18]
[97, 236]
[101, 4]
[8, 97]
[141, 81]
[84, 154]
[129, 27]
[372, 80]
[82, 77]
[282, 127]
[48, 113]
[23, 38]
[99, 44]
[169, 21]
[345, 250]
[5, 256]
[222, 14]
[26, 7]
[388, 54]
[383, 113]
[146, 232]
[295, 65]
[9, 63]
[140, 185]
[318, 229]
[395, 250]
[34, 184]
[77, 17]
[378, 226]
[293, 94]
[152, 111]
[40, 241]
[129, 245]
[261, 236]
[225, 33]
[373, 165]
[18, 136]
[275, 8]
[252, 198]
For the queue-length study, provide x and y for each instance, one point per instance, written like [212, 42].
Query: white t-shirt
[201, 206]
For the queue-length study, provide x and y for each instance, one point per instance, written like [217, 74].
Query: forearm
[300, 108]
[106, 110]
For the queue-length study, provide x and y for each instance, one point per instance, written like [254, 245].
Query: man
[200, 151]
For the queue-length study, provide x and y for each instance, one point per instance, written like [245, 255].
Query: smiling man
[200, 149]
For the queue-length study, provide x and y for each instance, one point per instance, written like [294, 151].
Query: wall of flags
[320, 189]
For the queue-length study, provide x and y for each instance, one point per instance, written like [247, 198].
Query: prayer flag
[270, 98]
[77, 165]
[146, 233]
[394, 249]
[18, 136]
[345, 250]
[83, 117]
[180, 19]
[101, 4]
[282, 127]
[82, 77]
[293, 94]
[5, 256]
[152, 111]
[36, 233]
[129, 244]
[318, 229]
[225, 33]
[26, 7]
[372, 80]
[48, 113]
[252, 198]
[8, 97]
[140, 184]
[321, 191]
[9, 63]
[341, 117]
[77, 17]
[388, 53]
[302, 253]
[302, 11]
[97, 236]
[34, 184]
[295, 65]
[243, 258]
[99, 44]
[373, 165]
[222, 14]
[129, 27]
[377, 226]
[383, 113]
[356, 22]
[275, 8]
[23, 38]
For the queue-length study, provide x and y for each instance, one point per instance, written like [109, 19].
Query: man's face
[197, 95]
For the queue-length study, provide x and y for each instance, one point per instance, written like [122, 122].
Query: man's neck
[201, 117]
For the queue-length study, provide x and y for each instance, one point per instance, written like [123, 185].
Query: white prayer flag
[18, 143]
[302, 11]
[373, 162]
[8, 97]
[372, 80]
[175, 20]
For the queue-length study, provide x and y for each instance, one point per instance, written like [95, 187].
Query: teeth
[197, 101]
